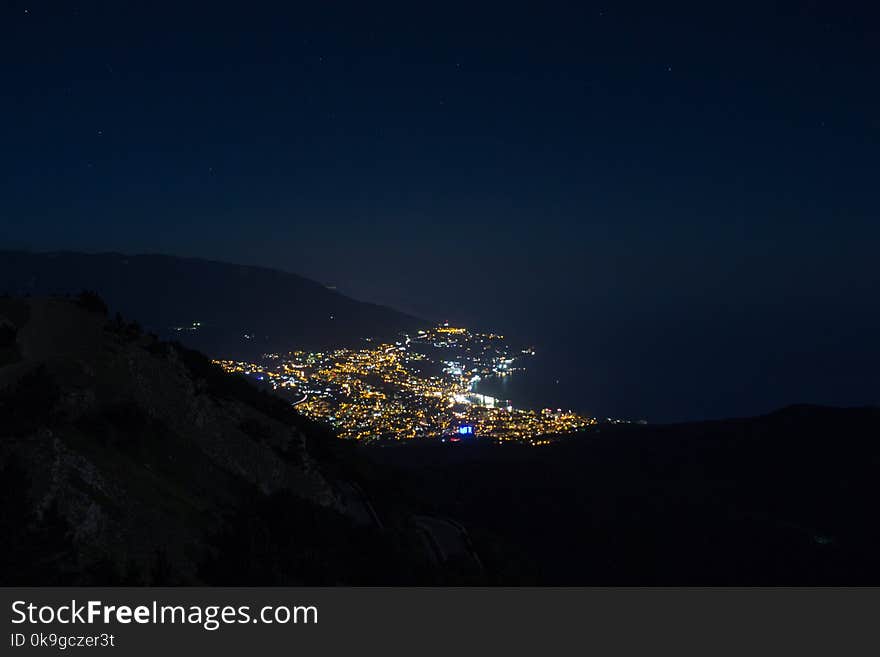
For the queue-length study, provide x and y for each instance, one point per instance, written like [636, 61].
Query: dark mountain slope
[128, 459]
[277, 310]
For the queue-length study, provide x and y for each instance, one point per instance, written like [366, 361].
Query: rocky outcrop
[140, 455]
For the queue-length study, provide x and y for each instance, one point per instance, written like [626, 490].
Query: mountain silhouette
[219, 308]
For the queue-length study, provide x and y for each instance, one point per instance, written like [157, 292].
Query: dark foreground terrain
[785, 499]
[126, 459]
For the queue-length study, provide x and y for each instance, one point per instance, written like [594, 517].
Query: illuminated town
[419, 387]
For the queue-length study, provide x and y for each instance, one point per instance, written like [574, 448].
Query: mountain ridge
[223, 309]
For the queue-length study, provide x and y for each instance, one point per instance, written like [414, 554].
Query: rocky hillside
[128, 459]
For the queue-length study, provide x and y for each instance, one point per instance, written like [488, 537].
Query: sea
[693, 371]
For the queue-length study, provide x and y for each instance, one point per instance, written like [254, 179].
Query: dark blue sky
[685, 197]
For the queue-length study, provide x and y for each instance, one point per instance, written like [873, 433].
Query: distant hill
[239, 310]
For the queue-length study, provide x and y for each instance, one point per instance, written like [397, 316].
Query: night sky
[677, 204]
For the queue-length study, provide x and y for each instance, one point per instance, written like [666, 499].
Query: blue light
[466, 430]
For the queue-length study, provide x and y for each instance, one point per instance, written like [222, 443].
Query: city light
[419, 387]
